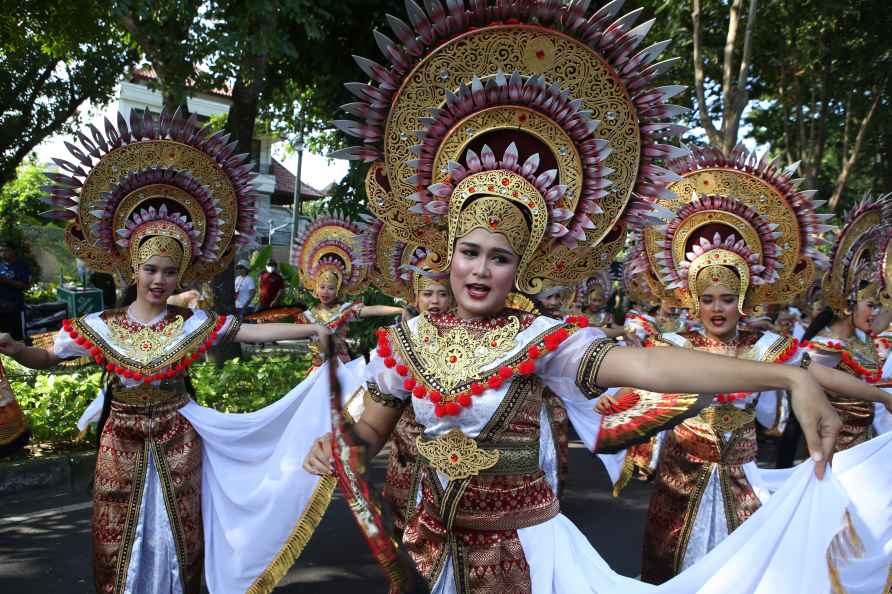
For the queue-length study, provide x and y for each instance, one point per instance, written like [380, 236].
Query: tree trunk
[246, 93]
[850, 161]
[712, 134]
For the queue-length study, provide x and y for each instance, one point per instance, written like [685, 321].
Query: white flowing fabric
[254, 488]
[780, 549]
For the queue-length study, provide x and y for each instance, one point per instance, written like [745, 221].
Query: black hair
[821, 321]
[128, 296]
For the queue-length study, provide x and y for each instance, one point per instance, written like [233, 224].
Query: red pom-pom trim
[526, 367]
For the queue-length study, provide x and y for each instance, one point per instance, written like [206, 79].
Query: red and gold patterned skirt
[13, 424]
[689, 457]
[857, 420]
[132, 433]
[402, 468]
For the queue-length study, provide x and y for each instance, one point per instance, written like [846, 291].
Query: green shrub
[53, 401]
[244, 385]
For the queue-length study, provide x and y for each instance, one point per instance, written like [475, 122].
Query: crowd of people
[501, 190]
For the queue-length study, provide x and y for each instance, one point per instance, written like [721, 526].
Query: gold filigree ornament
[496, 201]
[154, 174]
[146, 343]
[456, 356]
[456, 455]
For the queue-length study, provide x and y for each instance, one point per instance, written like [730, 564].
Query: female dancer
[488, 519]
[330, 269]
[722, 257]
[162, 204]
[404, 271]
[650, 313]
[842, 337]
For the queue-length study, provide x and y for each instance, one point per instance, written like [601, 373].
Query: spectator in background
[15, 278]
[272, 286]
[244, 288]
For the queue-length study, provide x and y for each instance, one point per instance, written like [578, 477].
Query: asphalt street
[45, 538]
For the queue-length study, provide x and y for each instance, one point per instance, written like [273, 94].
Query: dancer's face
[551, 305]
[156, 280]
[596, 300]
[326, 292]
[482, 273]
[718, 312]
[865, 311]
[785, 322]
[434, 298]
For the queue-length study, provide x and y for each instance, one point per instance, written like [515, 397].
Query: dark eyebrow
[469, 244]
[503, 251]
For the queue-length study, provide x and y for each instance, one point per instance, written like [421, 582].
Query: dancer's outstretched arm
[273, 332]
[849, 386]
[689, 371]
[33, 357]
[373, 311]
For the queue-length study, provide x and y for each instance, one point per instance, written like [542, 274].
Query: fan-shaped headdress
[397, 268]
[326, 251]
[597, 283]
[533, 119]
[158, 186]
[638, 280]
[860, 256]
[741, 223]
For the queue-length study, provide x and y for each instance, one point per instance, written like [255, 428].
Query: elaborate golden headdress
[639, 284]
[740, 222]
[860, 256]
[533, 119]
[397, 268]
[600, 283]
[154, 187]
[326, 251]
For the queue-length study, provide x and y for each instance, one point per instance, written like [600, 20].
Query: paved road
[45, 538]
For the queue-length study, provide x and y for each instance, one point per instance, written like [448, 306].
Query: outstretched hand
[10, 346]
[819, 421]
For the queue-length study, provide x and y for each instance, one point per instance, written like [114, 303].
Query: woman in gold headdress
[855, 289]
[488, 519]
[650, 313]
[721, 257]
[162, 204]
[404, 271]
[330, 268]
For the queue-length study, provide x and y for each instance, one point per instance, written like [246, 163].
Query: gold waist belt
[725, 418]
[459, 457]
[148, 394]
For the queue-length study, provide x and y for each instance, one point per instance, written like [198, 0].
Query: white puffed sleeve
[65, 347]
[571, 372]
[384, 384]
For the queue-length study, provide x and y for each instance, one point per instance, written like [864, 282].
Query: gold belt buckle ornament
[726, 418]
[456, 455]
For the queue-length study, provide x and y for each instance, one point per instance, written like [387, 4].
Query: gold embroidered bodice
[453, 355]
[140, 342]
